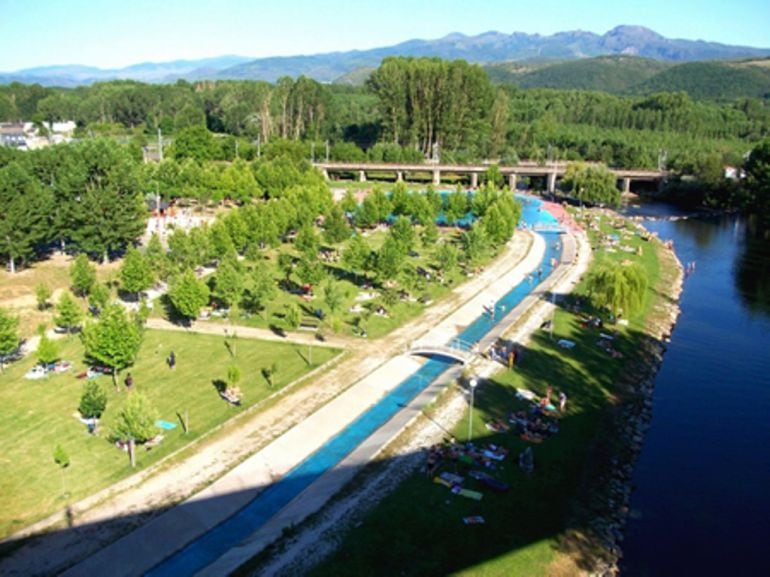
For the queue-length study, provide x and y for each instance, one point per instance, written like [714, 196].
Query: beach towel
[475, 495]
[165, 425]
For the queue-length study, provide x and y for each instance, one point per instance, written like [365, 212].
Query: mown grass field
[38, 415]
[419, 530]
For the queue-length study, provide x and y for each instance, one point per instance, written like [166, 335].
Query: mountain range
[490, 48]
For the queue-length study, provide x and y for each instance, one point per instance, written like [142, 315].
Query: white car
[36, 372]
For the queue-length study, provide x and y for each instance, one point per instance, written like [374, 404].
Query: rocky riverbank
[603, 507]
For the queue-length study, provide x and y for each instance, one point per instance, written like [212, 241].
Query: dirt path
[102, 518]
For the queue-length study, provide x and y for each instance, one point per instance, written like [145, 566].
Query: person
[562, 401]
[129, 381]
[171, 360]
[548, 393]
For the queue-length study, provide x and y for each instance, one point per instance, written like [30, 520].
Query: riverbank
[551, 522]
[602, 507]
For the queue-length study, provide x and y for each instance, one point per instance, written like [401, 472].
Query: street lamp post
[473, 383]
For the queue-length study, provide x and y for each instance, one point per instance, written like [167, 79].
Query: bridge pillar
[551, 182]
[474, 180]
[436, 176]
[512, 181]
[399, 176]
[361, 176]
[626, 185]
[325, 173]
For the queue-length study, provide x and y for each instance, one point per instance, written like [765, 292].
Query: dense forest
[414, 109]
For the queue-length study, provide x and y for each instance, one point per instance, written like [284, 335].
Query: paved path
[150, 544]
[100, 519]
[321, 491]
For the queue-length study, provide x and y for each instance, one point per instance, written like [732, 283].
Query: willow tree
[591, 183]
[619, 288]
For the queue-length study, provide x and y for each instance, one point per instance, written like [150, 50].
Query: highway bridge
[550, 171]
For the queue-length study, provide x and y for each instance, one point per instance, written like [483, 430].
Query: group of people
[467, 454]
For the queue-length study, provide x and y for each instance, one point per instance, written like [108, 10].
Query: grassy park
[419, 530]
[38, 415]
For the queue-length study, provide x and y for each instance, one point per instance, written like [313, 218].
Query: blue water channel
[209, 547]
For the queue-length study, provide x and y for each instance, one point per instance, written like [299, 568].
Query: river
[701, 503]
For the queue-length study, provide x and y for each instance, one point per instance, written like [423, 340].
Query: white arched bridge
[456, 349]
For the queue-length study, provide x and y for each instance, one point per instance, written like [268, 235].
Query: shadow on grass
[170, 312]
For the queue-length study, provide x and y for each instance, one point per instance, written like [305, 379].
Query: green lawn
[35, 416]
[399, 310]
[418, 529]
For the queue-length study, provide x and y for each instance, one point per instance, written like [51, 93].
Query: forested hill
[642, 76]
[613, 74]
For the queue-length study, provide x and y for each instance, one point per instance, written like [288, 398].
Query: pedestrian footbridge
[455, 349]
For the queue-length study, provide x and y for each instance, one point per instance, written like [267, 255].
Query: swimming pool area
[212, 545]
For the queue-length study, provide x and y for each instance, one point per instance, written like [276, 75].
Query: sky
[117, 33]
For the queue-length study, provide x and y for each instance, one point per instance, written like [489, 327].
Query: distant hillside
[615, 74]
[356, 77]
[75, 75]
[710, 80]
[486, 48]
[492, 47]
[633, 75]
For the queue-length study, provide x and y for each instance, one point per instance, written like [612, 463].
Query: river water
[701, 504]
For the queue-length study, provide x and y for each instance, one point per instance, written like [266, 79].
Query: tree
[619, 288]
[356, 254]
[286, 264]
[136, 421]
[233, 375]
[594, 184]
[402, 232]
[260, 288]
[456, 206]
[336, 228]
[24, 218]
[99, 296]
[135, 272]
[475, 242]
[307, 242]
[113, 340]
[229, 282]
[333, 295]
[430, 234]
[494, 177]
[348, 203]
[47, 350]
[69, 313]
[188, 295]
[195, 142]
[42, 294]
[758, 181]
[390, 257]
[447, 256]
[310, 271]
[156, 255]
[293, 316]
[9, 335]
[82, 275]
[61, 458]
[109, 211]
[375, 208]
[93, 401]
